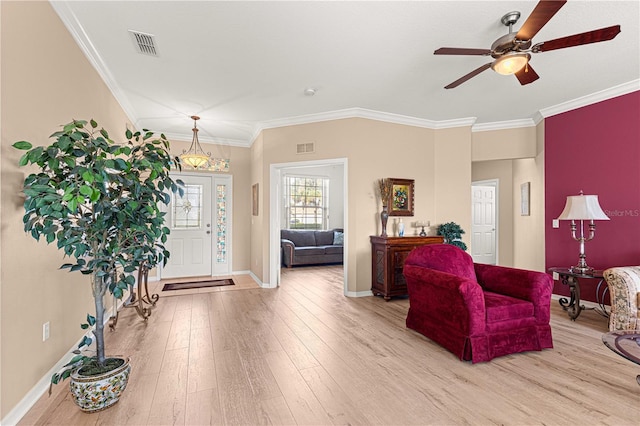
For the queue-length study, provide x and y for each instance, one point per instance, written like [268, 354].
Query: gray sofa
[305, 247]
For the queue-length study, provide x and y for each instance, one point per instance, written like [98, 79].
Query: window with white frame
[306, 202]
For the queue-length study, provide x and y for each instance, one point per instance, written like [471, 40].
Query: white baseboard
[359, 293]
[42, 386]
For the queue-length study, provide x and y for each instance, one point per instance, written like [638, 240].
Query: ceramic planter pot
[95, 393]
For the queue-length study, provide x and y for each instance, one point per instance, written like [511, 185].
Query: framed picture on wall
[525, 192]
[401, 197]
[254, 199]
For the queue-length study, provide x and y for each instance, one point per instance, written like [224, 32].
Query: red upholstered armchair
[476, 311]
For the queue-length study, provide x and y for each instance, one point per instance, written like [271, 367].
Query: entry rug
[197, 284]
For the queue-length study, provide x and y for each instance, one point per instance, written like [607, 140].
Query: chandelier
[196, 158]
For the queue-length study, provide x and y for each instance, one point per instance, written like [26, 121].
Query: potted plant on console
[452, 233]
[100, 202]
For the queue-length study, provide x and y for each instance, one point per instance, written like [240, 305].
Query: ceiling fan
[512, 52]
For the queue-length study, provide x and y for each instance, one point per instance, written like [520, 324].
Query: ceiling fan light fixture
[510, 63]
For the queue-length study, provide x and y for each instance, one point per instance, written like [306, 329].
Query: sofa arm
[533, 286]
[287, 251]
[624, 292]
[450, 299]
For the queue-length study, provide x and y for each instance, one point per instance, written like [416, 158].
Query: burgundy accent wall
[595, 149]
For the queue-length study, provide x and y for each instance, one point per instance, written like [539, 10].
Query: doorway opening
[335, 218]
[484, 221]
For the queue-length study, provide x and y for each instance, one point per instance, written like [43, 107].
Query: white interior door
[190, 220]
[483, 227]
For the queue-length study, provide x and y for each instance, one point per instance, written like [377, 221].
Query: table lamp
[582, 207]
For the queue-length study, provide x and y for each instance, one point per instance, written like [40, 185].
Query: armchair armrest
[533, 286]
[450, 299]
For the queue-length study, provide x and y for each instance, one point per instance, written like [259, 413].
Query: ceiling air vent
[145, 43]
[305, 148]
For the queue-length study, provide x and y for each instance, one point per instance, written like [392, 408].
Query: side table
[570, 278]
[625, 343]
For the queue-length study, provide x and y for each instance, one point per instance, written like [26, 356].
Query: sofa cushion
[333, 249]
[324, 238]
[299, 238]
[309, 251]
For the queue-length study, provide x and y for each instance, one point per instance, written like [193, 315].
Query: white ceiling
[243, 66]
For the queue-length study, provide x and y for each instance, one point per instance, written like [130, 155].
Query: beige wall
[258, 229]
[502, 170]
[452, 165]
[504, 144]
[46, 82]
[528, 231]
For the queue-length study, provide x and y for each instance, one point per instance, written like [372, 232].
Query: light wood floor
[305, 354]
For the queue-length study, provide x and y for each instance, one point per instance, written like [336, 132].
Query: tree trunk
[98, 332]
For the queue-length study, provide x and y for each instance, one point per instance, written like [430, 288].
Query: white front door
[483, 227]
[190, 220]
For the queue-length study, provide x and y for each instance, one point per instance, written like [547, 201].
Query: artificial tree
[100, 202]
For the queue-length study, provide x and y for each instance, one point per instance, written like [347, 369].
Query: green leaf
[84, 326]
[24, 160]
[128, 134]
[86, 190]
[24, 145]
[88, 176]
[93, 123]
[91, 319]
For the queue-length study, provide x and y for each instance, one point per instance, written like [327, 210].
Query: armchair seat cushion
[501, 308]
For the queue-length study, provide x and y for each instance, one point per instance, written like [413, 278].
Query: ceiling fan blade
[527, 75]
[595, 36]
[464, 78]
[542, 13]
[461, 51]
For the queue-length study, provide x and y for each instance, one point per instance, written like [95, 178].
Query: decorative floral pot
[95, 393]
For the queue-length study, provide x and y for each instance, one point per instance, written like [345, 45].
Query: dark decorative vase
[384, 216]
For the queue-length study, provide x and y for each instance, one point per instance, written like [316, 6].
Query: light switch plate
[556, 276]
[555, 223]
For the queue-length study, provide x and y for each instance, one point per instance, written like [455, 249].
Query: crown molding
[502, 125]
[361, 113]
[603, 95]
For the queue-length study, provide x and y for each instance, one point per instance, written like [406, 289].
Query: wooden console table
[387, 259]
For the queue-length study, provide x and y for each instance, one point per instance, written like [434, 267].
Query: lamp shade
[582, 207]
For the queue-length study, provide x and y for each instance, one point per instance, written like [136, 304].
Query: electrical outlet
[556, 276]
[555, 223]
[45, 331]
